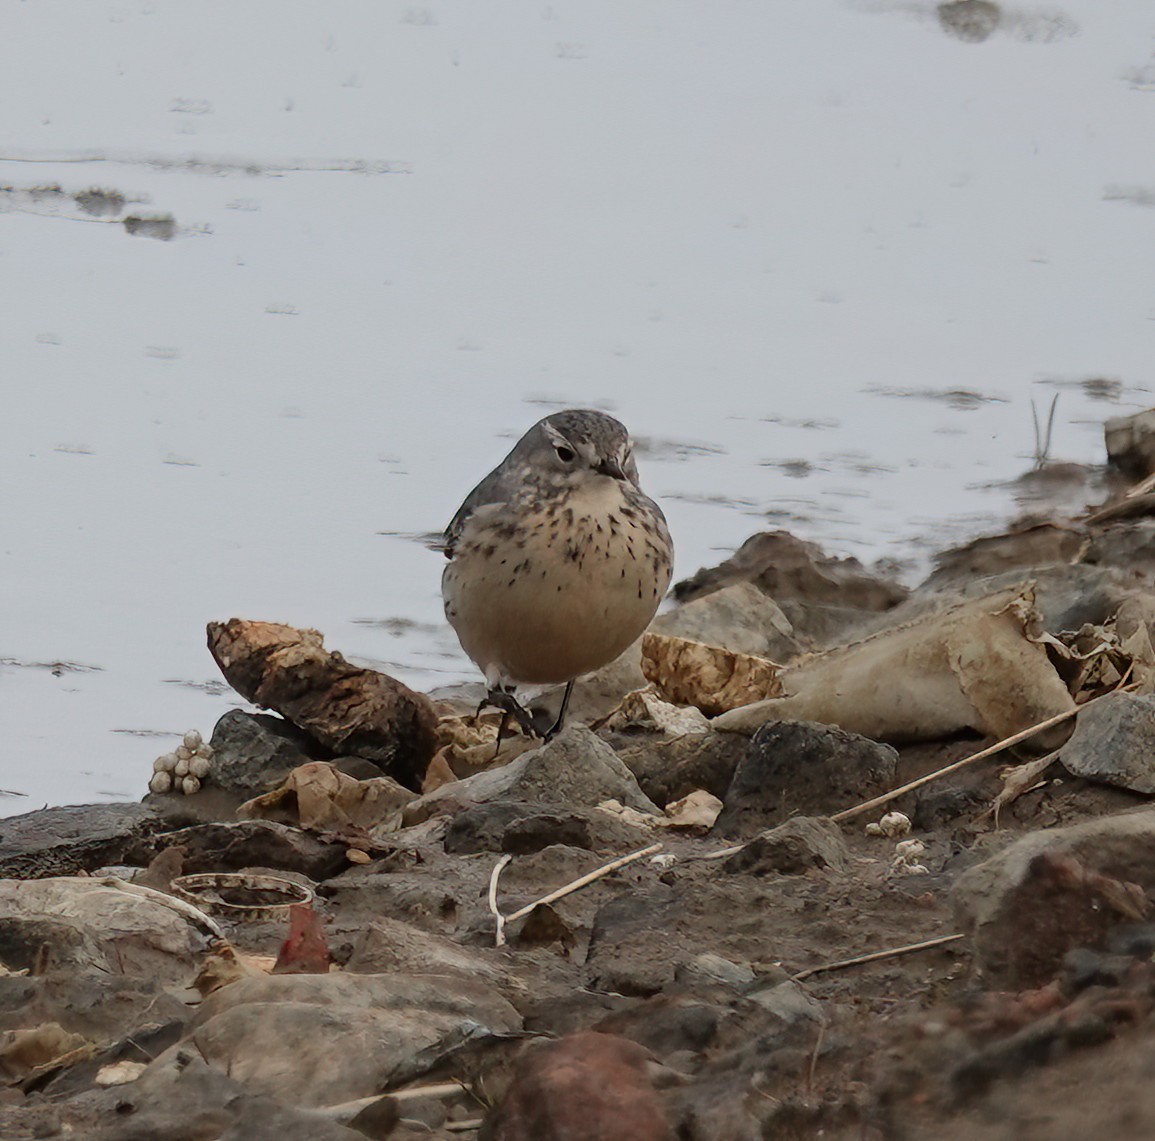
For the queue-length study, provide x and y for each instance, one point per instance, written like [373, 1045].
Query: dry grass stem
[876, 956]
[982, 754]
[582, 881]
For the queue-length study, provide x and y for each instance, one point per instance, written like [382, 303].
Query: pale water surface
[820, 255]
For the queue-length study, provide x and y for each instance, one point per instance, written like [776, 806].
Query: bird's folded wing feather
[485, 499]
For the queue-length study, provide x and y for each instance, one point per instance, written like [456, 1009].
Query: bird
[557, 561]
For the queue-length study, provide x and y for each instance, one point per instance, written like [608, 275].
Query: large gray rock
[81, 837]
[313, 1040]
[83, 923]
[1053, 891]
[739, 617]
[1114, 742]
[802, 767]
[575, 769]
[180, 1097]
[518, 828]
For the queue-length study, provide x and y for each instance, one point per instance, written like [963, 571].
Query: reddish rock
[585, 1087]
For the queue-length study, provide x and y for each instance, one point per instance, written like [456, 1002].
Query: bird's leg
[555, 728]
[504, 700]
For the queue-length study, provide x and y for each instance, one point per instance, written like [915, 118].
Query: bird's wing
[486, 498]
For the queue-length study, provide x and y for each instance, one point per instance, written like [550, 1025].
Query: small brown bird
[557, 560]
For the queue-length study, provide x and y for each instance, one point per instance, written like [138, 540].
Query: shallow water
[820, 257]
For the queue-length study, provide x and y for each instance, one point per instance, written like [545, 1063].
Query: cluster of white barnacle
[184, 769]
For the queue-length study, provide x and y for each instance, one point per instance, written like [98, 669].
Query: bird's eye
[564, 454]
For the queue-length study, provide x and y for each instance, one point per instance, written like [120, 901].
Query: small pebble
[181, 769]
[199, 767]
[183, 752]
[165, 763]
[356, 856]
[664, 860]
[190, 785]
[206, 751]
[192, 739]
[161, 781]
[895, 824]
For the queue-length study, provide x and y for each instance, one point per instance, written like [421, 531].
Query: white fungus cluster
[894, 825]
[184, 769]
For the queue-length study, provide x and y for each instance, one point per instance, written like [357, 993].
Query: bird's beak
[611, 468]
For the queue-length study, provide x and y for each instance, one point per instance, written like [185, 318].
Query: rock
[1114, 742]
[668, 769]
[253, 752]
[969, 20]
[799, 766]
[1124, 547]
[1052, 891]
[182, 1098]
[626, 952]
[739, 617]
[312, 1040]
[346, 708]
[1025, 547]
[221, 847]
[519, 828]
[1130, 443]
[713, 970]
[785, 567]
[575, 769]
[388, 946]
[85, 924]
[587, 1085]
[789, 1002]
[81, 837]
[795, 846]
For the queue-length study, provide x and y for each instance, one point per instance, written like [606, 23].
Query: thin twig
[982, 754]
[581, 881]
[499, 919]
[814, 1057]
[875, 956]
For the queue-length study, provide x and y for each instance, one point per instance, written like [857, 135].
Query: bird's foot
[504, 700]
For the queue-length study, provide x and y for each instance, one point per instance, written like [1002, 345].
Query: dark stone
[253, 752]
[1134, 939]
[1083, 967]
[228, 847]
[520, 828]
[802, 767]
[795, 846]
[1114, 742]
[515, 827]
[626, 953]
[668, 769]
[80, 837]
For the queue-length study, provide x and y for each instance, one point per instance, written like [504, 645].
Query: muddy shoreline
[963, 960]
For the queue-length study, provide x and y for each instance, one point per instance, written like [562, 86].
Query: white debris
[893, 826]
[161, 781]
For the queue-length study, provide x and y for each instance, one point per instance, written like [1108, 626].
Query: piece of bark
[347, 708]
